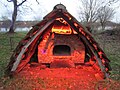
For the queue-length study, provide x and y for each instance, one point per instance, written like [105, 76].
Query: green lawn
[111, 48]
[6, 49]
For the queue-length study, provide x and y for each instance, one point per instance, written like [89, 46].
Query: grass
[110, 45]
[5, 48]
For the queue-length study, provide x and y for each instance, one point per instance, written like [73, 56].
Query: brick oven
[58, 40]
[61, 43]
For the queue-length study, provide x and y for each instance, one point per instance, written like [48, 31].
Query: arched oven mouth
[61, 50]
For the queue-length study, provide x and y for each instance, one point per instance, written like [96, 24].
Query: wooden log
[70, 22]
[18, 59]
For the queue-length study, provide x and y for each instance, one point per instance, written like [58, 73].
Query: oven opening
[61, 50]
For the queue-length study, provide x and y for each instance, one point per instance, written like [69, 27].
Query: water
[16, 30]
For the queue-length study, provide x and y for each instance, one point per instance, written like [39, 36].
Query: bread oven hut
[59, 37]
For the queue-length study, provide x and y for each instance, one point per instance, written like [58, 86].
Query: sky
[31, 10]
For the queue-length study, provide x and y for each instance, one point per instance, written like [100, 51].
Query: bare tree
[89, 10]
[105, 14]
[14, 14]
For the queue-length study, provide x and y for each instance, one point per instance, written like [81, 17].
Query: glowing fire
[61, 27]
[62, 30]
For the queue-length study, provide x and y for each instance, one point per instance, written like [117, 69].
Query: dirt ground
[41, 78]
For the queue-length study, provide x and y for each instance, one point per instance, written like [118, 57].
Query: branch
[10, 0]
[37, 1]
[21, 3]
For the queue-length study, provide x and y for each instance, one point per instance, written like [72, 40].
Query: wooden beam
[71, 23]
[19, 57]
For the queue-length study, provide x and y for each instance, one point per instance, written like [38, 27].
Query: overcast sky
[40, 10]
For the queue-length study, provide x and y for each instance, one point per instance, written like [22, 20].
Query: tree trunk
[14, 15]
[103, 26]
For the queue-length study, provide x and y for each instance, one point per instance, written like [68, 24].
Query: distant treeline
[18, 24]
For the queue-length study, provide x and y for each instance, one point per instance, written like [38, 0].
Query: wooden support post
[88, 44]
[19, 57]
